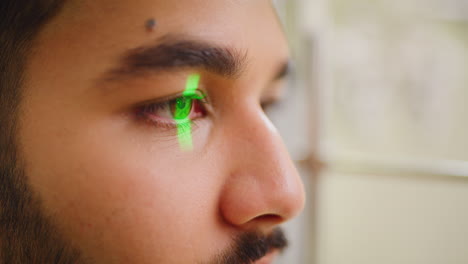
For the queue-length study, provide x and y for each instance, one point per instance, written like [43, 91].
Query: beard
[251, 247]
[29, 235]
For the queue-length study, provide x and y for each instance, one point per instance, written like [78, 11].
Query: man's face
[103, 153]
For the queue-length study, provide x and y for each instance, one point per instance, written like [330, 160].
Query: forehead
[88, 36]
[237, 22]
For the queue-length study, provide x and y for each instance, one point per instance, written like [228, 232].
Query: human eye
[267, 105]
[174, 111]
[273, 98]
[272, 103]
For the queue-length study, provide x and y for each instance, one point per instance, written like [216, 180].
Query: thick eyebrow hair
[176, 53]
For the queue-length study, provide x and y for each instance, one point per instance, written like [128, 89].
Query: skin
[121, 190]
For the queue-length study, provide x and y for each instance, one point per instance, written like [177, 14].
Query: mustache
[252, 246]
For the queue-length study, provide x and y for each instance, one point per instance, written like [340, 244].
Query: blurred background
[377, 120]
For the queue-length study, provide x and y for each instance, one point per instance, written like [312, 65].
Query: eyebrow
[176, 53]
[171, 53]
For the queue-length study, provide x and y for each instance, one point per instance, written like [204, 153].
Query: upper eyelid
[169, 98]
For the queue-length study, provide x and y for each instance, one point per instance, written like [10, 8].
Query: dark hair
[20, 22]
[26, 234]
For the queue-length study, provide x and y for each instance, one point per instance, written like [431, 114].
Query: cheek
[112, 189]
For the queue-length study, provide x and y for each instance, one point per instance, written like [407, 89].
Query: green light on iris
[183, 107]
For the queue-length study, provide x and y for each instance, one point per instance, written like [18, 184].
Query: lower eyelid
[172, 128]
[156, 121]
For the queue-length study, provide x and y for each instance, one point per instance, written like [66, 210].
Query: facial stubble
[29, 235]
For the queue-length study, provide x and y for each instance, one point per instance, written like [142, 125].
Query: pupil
[181, 103]
[182, 106]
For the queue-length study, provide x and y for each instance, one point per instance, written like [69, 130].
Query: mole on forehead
[150, 24]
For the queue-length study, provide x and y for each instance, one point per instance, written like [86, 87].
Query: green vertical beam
[182, 113]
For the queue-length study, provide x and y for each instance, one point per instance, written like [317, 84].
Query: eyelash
[198, 102]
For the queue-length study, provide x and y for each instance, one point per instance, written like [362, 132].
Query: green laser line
[182, 112]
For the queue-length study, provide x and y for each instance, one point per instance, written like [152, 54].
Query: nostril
[270, 219]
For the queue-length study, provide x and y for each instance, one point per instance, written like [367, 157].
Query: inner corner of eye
[269, 99]
[269, 102]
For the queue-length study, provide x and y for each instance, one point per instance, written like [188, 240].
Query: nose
[263, 188]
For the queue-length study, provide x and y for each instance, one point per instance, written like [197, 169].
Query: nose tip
[264, 187]
[271, 199]
[291, 198]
